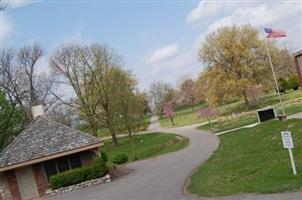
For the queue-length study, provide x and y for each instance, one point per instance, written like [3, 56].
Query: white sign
[287, 139]
[288, 144]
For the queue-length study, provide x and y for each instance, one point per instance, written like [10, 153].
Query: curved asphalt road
[164, 177]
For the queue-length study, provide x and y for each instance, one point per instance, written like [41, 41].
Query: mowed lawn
[219, 126]
[187, 116]
[251, 161]
[146, 145]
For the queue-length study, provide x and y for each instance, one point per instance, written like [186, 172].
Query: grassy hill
[187, 116]
[251, 161]
[146, 145]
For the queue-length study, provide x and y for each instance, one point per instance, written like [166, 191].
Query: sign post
[288, 144]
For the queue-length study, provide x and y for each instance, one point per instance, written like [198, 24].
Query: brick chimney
[37, 110]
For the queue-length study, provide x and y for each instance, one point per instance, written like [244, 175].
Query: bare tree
[187, 91]
[89, 71]
[63, 113]
[21, 81]
[160, 93]
[3, 5]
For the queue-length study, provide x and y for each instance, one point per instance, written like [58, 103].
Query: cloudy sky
[159, 40]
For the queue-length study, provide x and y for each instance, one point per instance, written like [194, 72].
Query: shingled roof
[42, 138]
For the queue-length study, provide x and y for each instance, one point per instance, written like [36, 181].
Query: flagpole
[274, 75]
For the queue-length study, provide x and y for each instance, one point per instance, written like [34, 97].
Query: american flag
[274, 33]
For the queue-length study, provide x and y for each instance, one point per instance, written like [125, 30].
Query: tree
[75, 66]
[283, 62]
[187, 91]
[235, 60]
[208, 113]
[64, 114]
[21, 80]
[93, 72]
[11, 121]
[160, 93]
[143, 100]
[169, 111]
[131, 118]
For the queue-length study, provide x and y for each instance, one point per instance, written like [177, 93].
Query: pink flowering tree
[208, 113]
[169, 111]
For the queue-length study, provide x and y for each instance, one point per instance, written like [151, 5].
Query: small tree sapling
[169, 111]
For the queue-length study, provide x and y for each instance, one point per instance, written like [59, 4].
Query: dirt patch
[118, 171]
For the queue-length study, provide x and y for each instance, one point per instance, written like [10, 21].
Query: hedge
[120, 158]
[74, 176]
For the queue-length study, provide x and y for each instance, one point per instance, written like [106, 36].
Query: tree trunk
[172, 120]
[113, 136]
[246, 100]
[93, 127]
[192, 105]
[134, 157]
[111, 129]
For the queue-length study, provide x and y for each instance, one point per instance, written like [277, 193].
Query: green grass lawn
[146, 145]
[184, 116]
[290, 108]
[251, 161]
[219, 126]
[266, 100]
[187, 116]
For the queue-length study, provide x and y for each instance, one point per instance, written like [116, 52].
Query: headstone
[266, 114]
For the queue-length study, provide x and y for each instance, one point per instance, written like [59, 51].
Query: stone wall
[104, 179]
[4, 188]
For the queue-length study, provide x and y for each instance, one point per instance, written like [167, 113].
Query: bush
[74, 176]
[120, 159]
[283, 85]
[293, 82]
[104, 156]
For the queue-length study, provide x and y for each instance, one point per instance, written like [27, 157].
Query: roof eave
[52, 156]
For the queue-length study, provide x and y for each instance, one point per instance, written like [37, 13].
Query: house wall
[4, 188]
[40, 178]
[88, 157]
[13, 185]
[9, 189]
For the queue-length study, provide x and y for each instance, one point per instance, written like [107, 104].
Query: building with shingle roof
[43, 149]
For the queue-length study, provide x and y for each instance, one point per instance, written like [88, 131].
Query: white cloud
[19, 3]
[6, 23]
[285, 15]
[163, 53]
[206, 10]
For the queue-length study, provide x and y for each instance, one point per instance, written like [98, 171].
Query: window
[62, 164]
[75, 161]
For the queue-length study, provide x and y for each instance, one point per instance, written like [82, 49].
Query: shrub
[283, 85]
[293, 82]
[120, 159]
[104, 156]
[74, 176]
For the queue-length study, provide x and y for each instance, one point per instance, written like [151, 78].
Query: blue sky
[159, 40]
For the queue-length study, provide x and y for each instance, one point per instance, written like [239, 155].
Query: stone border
[93, 182]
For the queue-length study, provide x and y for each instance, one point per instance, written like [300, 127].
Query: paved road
[164, 177]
